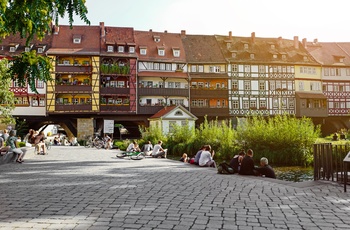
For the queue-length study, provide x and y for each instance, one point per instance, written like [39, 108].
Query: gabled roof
[264, 49]
[161, 114]
[330, 53]
[20, 44]
[118, 36]
[202, 49]
[62, 42]
[153, 40]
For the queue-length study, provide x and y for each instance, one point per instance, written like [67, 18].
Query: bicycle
[96, 142]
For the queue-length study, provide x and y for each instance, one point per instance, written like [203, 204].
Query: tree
[7, 98]
[30, 18]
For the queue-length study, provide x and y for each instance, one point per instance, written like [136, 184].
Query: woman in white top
[206, 159]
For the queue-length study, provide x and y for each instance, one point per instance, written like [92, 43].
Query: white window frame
[110, 48]
[161, 52]
[120, 49]
[76, 40]
[143, 51]
[131, 49]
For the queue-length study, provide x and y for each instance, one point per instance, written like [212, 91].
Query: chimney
[55, 29]
[150, 30]
[315, 40]
[304, 42]
[183, 33]
[253, 37]
[296, 42]
[279, 41]
[165, 31]
[230, 34]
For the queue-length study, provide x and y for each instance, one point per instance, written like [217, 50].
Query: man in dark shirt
[265, 169]
[247, 166]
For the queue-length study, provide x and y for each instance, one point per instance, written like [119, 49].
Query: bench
[7, 157]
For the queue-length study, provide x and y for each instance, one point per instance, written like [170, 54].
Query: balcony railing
[114, 90]
[209, 93]
[114, 108]
[71, 88]
[210, 111]
[163, 92]
[73, 69]
[73, 108]
[312, 112]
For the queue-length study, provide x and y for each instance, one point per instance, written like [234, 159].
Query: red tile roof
[163, 112]
[167, 40]
[328, 53]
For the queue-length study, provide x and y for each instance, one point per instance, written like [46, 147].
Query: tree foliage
[7, 98]
[30, 18]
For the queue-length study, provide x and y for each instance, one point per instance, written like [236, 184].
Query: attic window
[26, 49]
[121, 49]
[161, 52]
[252, 56]
[246, 46]
[306, 58]
[40, 50]
[156, 38]
[176, 52]
[77, 39]
[110, 48]
[12, 49]
[274, 56]
[178, 113]
[341, 60]
[131, 49]
[284, 57]
[273, 47]
[143, 51]
[228, 45]
[234, 55]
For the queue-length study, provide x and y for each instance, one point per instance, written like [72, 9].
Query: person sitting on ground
[184, 158]
[236, 161]
[39, 142]
[198, 155]
[265, 169]
[56, 141]
[74, 141]
[247, 165]
[133, 147]
[158, 151]
[147, 148]
[206, 158]
[12, 142]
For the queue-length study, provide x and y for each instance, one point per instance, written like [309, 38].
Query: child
[184, 158]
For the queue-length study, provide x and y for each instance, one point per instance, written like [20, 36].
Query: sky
[327, 21]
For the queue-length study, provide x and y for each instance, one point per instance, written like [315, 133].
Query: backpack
[225, 168]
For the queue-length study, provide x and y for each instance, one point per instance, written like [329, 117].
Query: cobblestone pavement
[79, 188]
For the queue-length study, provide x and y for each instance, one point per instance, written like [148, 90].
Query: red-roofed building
[162, 78]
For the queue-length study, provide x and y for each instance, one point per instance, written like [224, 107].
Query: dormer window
[234, 55]
[40, 50]
[26, 49]
[110, 48]
[132, 49]
[274, 56]
[76, 39]
[13, 47]
[156, 38]
[228, 45]
[121, 49]
[161, 51]
[252, 56]
[273, 47]
[246, 46]
[284, 57]
[143, 50]
[176, 52]
[306, 58]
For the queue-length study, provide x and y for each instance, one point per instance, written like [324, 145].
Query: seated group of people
[37, 139]
[243, 164]
[148, 149]
[203, 158]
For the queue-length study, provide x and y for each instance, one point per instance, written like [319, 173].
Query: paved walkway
[78, 188]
